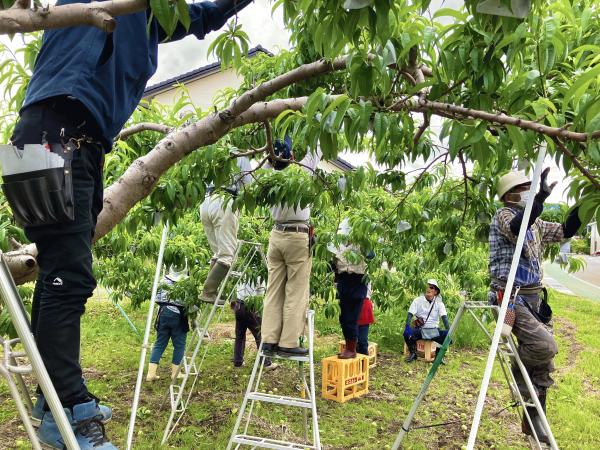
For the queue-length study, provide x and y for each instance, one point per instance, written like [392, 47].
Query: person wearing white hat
[532, 314]
[171, 323]
[426, 310]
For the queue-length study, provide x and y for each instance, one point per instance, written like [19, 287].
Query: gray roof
[200, 72]
[215, 67]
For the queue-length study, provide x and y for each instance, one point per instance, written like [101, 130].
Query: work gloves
[545, 188]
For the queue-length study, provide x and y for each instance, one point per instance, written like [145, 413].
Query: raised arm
[205, 17]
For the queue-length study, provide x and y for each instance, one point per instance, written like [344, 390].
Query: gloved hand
[545, 189]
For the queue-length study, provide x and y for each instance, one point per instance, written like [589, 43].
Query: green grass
[111, 352]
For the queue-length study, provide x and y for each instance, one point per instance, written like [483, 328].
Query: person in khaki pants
[221, 225]
[289, 264]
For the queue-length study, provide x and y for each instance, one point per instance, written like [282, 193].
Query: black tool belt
[523, 290]
[292, 228]
[42, 197]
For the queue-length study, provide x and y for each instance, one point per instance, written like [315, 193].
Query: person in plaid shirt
[532, 326]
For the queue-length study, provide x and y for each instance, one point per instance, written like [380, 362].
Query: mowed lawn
[110, 355]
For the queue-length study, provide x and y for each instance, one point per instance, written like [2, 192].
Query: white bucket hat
[433, 282]
[509, 181]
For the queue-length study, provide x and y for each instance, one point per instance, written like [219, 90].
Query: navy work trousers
[65, 279]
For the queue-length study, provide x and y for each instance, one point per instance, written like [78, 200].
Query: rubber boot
[175, 372]
[350, 350]
[536, 420]
[412, 348]
[211, 286]
[152, 372]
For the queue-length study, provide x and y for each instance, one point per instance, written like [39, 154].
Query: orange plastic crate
[345, 379]
[426, 349]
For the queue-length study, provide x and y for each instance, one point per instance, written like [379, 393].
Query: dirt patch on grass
[590, 388]
[12, 431]
[568, 330]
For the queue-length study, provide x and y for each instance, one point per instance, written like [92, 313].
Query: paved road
[585, 283]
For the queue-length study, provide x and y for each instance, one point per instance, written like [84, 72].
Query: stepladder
[511, 366]
[20, 359]
[248, 257]
[305, 401]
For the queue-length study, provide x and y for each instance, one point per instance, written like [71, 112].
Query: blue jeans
[363, 339]
[170, 325]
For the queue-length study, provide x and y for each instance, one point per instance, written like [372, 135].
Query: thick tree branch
[586, 173]
[259, 93]
[443, 109]
[22, 263]
[143, 126]
[95, 14]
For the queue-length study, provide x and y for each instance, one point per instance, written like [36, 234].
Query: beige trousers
[221, 228]
[287, 296]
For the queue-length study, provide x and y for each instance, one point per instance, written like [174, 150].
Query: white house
[205, 82]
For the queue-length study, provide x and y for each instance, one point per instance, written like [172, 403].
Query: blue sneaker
[86, 420]
[37, 413]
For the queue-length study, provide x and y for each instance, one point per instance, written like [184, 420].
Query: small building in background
[204, 83]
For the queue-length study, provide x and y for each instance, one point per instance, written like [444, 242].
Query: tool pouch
[43, 196]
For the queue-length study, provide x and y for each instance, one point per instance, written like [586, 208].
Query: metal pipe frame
[505, 357]
[16, 394]
[14, 305]
[245, 265]
[503, 308]
[253, 386]
[142, 364]
[425, 386]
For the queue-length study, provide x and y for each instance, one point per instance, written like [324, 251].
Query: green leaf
[184, 14]
[456, 136]
[580, 85]
[163, 13]
[339, 114]
[334, 104]
[314, 103]
[449, 12]
[356, 4]
[516, 136]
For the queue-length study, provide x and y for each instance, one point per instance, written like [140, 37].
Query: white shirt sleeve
[311, 160]
[442, 308]
[245, 167]
[413, 307]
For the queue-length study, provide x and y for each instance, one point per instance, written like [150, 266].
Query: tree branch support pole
[138, 385]
[425, 386]
[502, 313]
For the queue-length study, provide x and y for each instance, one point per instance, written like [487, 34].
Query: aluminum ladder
[180, 390]
[13, 371]
[306, 401]
[507, 356]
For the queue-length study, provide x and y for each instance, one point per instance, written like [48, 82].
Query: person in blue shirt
[85, 85]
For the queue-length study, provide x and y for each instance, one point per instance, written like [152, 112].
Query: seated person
[426, 311]
[171, 323]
